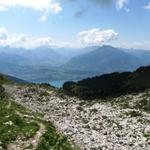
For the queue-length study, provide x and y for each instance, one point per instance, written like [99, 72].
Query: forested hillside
[109, 85]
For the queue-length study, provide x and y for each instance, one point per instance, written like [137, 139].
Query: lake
[58, 83]
[55, 83]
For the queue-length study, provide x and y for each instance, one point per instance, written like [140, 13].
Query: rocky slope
[22, 129]
[121, 123]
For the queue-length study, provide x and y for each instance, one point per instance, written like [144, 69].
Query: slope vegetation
[21, 128]
[109, 85]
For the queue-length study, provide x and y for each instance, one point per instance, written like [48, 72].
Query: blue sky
[122, 23]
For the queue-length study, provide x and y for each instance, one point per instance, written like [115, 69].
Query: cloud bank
[51, 6]
[97, 36]
[45, 6]
[21, 40]
[84, 38]
[3, 33]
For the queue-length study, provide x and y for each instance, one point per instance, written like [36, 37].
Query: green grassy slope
[6, 79]
[20, 127]
[16, 122]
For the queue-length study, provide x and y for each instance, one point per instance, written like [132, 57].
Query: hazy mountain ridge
[68, 64]
[10, 79]
[41, 56]
[105, 59]
[144, 55]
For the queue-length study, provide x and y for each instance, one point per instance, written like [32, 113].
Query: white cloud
[97, 36]
[44, 17]
[147, 6]
[120, 4]
[45, 6]
[3, 33]
[21, 40]
[2, 8]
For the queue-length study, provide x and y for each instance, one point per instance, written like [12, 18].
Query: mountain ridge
[39, 64]
[111, 85]
[105, 59]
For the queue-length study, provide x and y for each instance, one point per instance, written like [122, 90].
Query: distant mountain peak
[107, 46]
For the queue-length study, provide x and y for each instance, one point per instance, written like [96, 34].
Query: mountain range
[105, 59]
[46, 63]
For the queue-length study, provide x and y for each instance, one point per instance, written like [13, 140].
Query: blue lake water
[58, 83]
[55, 83]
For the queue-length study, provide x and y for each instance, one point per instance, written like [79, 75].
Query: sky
[75, 23]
